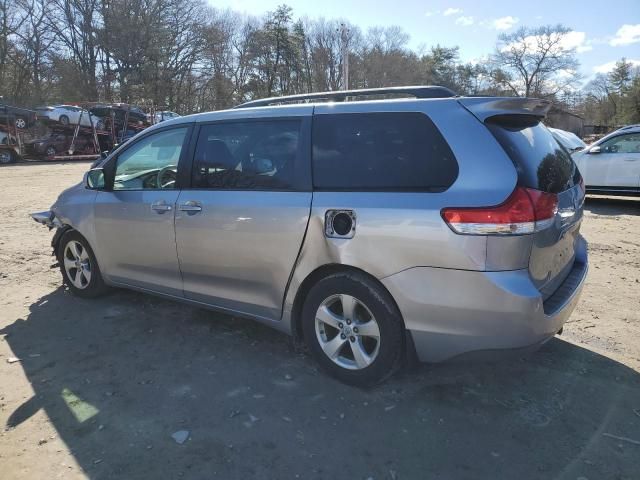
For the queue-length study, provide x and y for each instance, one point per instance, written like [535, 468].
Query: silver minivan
[376, 229]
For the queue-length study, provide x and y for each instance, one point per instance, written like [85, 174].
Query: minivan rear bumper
[454, 312]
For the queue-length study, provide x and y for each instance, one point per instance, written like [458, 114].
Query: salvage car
[120, 111]
[20, 117]
[70, 115]
[611, 165]
[58, 144]
[375, 231]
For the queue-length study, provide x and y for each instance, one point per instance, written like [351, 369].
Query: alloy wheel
[77, 264]
[5, 157]
[347, 332]
[21, 123]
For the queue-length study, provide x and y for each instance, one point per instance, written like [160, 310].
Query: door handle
[160, 207]
[190, 206]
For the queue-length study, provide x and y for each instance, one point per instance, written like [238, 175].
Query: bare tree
[535, 61]
[33, 40]
[77, 24]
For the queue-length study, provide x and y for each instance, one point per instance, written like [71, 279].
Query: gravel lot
[102, 385]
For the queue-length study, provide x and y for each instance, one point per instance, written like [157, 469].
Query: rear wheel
[353, 328]
[20, 123]
[80, 270]
[51, 152]
[64, 120]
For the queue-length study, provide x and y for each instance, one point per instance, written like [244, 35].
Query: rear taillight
[525, 211]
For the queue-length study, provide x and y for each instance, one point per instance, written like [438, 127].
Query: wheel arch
[57, 237]
[61, 232]
[314, 277]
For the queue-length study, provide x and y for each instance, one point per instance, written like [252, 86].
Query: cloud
[607, 67]
[504, 23]
[626, 35]
[451, 11]
[431, 13]
[464, 21]
[570, 41]
[577, 40]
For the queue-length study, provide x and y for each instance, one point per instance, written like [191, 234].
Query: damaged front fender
[47, 218]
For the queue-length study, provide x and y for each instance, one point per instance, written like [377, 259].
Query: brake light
[525, 211]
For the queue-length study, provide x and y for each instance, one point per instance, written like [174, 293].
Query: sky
[600, 34]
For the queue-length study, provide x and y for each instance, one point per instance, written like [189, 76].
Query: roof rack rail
[343, 95]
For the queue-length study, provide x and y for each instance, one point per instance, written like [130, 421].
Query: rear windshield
[540, 161]
[397, 151]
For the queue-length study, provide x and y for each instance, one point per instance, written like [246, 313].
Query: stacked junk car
[80, 131]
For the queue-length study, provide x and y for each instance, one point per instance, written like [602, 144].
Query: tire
[344, 343]
[99, 125]
[79, 267]
[50, 152]
[64, 120]
[20, 123]
[7, 156]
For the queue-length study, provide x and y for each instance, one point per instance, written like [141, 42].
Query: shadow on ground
[117, 376]
[612, 205]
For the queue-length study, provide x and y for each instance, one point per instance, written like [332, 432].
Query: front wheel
[79, 267]
[353, 328]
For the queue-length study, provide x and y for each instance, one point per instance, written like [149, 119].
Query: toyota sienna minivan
[373, 224]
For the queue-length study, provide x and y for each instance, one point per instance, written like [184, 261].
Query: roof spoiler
[487, 107]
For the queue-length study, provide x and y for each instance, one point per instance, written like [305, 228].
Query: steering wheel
[166, 177]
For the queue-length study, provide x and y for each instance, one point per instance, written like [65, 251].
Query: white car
[612, 164]
[70, 115]
[162, 116]
[568, 140]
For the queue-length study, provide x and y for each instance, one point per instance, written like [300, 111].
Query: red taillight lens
[525, 211]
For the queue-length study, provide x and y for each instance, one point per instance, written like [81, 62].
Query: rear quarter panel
[397, 231]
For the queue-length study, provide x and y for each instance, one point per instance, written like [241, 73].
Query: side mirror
[94, 179]
[595, 149]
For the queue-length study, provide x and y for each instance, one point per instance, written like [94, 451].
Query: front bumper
[450, 313]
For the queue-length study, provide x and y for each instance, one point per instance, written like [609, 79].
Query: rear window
[540, 161]
[401, 151]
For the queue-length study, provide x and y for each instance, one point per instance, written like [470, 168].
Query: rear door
[240, 226]
[134, 221]
[543, 165]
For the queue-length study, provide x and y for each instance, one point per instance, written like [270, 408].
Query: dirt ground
[102, 385]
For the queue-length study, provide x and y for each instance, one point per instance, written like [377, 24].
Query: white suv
[612, 164]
